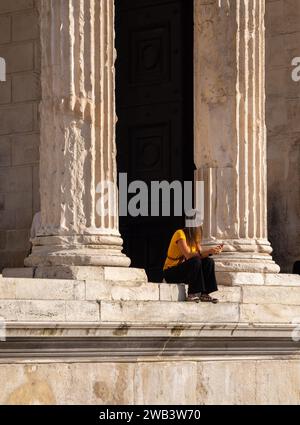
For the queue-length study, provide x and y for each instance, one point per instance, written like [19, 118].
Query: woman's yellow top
[174, 256]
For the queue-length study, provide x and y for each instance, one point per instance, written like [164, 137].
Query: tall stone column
[230, 131]
[78, 152]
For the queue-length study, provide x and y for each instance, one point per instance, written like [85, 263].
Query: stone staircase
[123, 301]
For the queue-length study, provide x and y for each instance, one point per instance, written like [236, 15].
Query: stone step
[285, 295]
[242, 278]
[58, 289]
[59, 300]
[147, 312]
[116, 311]
[224, 312]
[271, 313]
[130, 274]
[117, 274]
[159, 312]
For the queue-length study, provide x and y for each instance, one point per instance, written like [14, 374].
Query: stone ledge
[243, 278]
[149, 311]
[47, 310]
[275, 313]
[284, 295]
[75, 329]
[117, 274]
[58, 289]
[153, 311]
[85, 342]
[105, 301]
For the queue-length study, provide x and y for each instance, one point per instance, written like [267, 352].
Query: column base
[256, 264]
[244, 255]
[78, 250]
[97, 273]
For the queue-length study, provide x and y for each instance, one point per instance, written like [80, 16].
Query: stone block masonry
[19, 127]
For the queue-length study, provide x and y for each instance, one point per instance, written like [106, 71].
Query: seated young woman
[186, 262]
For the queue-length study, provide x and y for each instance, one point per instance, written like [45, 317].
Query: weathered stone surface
[83, 311]
[269, 313]
[223, 382]
[15, 5]
[98, 290]
[230, 150]
[13, 199]
[120, 274]
[282, 390]
[230, 295]
[19, 38]
[33, 289]
[271, 295]
[273, 279]
[5, 152]
[25, 26]
[20, 310]
[26, 87]
[114, 274]
[72, 272]
[171, 292]
[151, 311]
[61, 383]
[16, 119]
[7, 289]
[77, 235]
[282, 279]
[17, 240]
[239, 278]
[117, 291]
[179, 383]
[282, 119]
[22, 272]
[5, 91]
[194, 382]
[19, 57]
[5, 29]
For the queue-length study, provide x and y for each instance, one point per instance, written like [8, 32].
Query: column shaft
[230, 131]
[78, 152]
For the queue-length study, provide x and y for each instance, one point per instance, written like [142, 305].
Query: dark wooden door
[154, 98]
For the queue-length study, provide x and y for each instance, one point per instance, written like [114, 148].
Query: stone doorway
[154, 101]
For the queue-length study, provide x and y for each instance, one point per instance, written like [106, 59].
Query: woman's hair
[193, 235]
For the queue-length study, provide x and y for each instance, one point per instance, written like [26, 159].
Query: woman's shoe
[193, 298]
[208, 299]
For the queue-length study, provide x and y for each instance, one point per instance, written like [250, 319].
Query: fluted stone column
[230, 131]
[78, 149]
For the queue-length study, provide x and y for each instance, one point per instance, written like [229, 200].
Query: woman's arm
[185, 250]
[211, 251]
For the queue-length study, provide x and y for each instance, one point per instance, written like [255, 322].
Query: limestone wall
[172, 381]
[19, 127]
[283, 124]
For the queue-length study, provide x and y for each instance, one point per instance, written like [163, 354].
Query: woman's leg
[207, 273]
[188, 272]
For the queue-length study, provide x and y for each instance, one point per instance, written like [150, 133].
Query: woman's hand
[216, 250]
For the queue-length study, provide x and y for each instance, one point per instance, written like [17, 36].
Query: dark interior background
[154, 98]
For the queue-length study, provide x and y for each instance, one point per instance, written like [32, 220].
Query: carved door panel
[154, 97]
